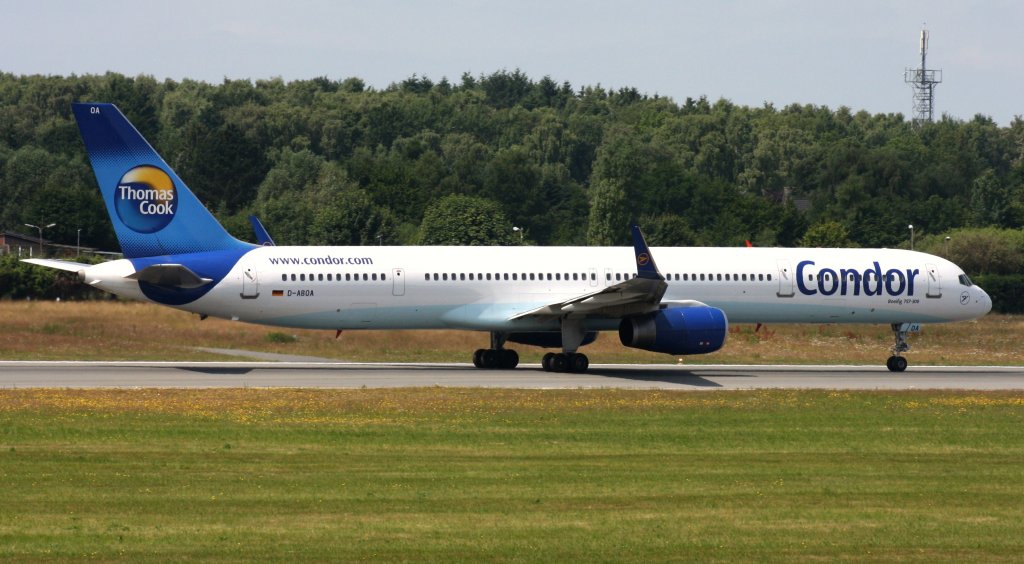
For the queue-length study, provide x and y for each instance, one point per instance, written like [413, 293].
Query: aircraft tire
[560, 363]
[509, 359]
[545, 362]
[490, 358]
[896, 363]
[477, 358]
[578, 363]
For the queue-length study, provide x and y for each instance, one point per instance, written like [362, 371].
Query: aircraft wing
[636, 295]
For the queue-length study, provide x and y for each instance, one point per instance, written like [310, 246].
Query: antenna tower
[923, 81]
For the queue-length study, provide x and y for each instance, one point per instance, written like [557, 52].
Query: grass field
[116, 330]
[510, 475]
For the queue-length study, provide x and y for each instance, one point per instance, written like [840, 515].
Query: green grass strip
[510, 475]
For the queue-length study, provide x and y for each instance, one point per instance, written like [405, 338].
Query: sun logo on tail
[145, 199]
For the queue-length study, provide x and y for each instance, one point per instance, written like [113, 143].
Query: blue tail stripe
[129, 173]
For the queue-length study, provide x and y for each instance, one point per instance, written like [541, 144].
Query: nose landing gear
[897, 363]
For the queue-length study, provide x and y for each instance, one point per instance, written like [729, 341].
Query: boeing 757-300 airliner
[178, 255]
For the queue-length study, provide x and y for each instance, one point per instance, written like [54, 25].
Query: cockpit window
[964, 280]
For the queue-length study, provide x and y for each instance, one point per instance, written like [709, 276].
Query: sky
[821, 52]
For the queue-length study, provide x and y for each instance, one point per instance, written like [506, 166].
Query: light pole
[947, 246]
[40, 228]
[911, 227]
[78, 243]
[520, 230]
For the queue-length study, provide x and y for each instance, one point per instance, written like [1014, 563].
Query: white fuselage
[483, 288]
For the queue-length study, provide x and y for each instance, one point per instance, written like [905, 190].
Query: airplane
[178, 255]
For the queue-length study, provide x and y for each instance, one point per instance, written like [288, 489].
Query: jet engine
[677, 330]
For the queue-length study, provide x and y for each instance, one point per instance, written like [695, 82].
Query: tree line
[335, 162]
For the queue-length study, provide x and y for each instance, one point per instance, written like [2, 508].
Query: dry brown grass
[114, 330]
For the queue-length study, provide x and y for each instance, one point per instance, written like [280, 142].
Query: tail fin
[153, 211]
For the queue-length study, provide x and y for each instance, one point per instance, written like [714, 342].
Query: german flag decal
[277, 293]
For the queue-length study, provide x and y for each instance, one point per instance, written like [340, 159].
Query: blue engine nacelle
[676, 331]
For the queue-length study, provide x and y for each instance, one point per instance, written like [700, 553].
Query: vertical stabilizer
[153, 211]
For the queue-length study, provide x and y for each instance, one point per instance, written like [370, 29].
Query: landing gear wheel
[489, 358]
[495, 358]
[579, 363]
[559, 362]
[509, 359]
[896, 363]
[545, 362]
[565, 362]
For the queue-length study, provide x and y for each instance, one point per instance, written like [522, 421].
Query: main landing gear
[897, 363]
[568, 360]
[565, 362]
[497, 356]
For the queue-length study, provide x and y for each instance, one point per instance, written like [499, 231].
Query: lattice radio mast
[923, 81]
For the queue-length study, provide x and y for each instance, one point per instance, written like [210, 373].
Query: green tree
[989, 200]
[986, 250]
[826, 234]
[465, 220]
[609, 215]
[668, 230]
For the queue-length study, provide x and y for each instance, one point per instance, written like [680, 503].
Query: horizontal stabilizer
[170, 276]
[58, 264]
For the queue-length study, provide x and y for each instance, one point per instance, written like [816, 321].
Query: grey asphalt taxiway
[19, 374]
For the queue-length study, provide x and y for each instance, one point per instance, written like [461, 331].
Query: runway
[18, 374]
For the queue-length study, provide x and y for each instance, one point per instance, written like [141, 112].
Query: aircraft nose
[984, 301]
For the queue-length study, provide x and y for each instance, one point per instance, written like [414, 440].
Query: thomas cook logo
[642, 259]
[145, 199]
